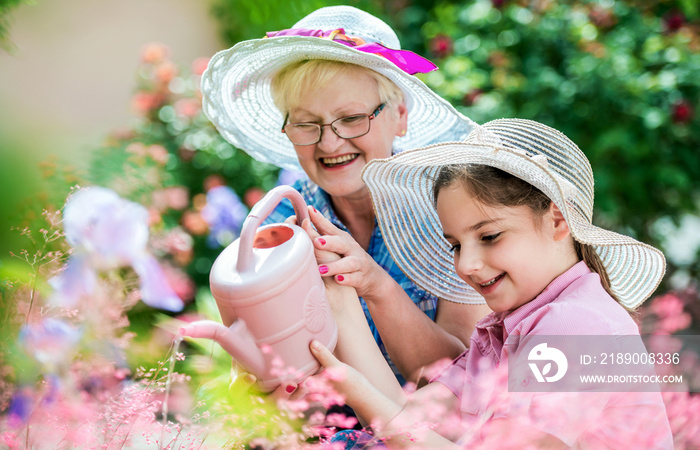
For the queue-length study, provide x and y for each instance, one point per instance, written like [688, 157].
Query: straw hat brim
[237, 98]
[401, 189]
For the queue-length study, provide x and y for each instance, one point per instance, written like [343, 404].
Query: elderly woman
[327, 96]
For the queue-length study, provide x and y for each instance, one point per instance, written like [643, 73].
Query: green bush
[620, 78]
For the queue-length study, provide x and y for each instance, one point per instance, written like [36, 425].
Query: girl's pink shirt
[574, 303]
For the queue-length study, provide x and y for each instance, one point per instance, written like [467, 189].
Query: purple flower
[106, 232]
[289, 177]
[155, 290]
[224, 213]
[50, 342]
[20, 407]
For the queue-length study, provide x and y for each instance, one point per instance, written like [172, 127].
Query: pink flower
[667, 305]
[158, 153]
[182, 285]
[193, 222]
[154, 53]
[670, 312]
[199, 65]
[188, 107]
[136, 148]
[683, 411]
[144, 102]
[340, 420]
[165, 72]
[179, 244]
[175, 197]
[11, 440]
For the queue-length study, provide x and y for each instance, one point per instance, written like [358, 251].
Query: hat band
[406, 60]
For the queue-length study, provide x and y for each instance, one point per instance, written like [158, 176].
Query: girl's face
[335, 164]
[505, 253]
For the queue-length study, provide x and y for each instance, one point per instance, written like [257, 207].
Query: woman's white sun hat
[236, 85]
[401, 188]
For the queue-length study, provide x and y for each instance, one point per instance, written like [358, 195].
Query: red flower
[441, 46]
[602, 18]
[682, 112]
[470, 97]
[213, 181]
[253, 196]
[673, 20]
[498, 58]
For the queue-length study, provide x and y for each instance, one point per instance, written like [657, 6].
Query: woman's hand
[355, 267]
[323, 256]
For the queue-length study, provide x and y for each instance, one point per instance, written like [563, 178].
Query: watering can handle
[260, 211]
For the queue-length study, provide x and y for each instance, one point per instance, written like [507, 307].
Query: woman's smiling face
[335, 164]
[507, 254]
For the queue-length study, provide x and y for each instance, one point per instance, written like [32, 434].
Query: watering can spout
[236, 340]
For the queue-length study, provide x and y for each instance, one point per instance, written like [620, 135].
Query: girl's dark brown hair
[495, 187]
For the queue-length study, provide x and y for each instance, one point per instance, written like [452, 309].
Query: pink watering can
[271, 297]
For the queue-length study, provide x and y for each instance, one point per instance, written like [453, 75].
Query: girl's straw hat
[401, 188]
[236, 85]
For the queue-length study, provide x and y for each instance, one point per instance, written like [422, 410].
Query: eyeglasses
[348, 127]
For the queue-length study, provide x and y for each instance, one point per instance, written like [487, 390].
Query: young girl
[510, 209]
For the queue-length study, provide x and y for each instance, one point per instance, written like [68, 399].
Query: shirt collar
[510, 319]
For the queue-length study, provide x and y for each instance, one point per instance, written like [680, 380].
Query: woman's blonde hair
[495, 187]
[297, 78]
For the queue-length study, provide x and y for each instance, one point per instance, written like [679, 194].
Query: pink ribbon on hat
[405, 60]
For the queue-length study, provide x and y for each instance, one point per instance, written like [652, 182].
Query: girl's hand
[346, 380]
[355, 267]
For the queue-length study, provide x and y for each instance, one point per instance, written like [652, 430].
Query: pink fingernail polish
[290, 389]
[314, 209]
[323, 269]
[341, 278]
[321, 241]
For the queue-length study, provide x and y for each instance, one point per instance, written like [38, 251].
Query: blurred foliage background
[621, 78]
